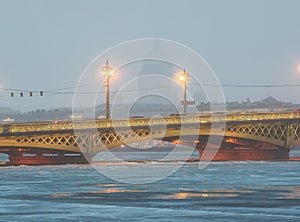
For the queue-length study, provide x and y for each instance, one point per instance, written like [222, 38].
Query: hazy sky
[47, 44]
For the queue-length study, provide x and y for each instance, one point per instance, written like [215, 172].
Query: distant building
[272, 101]
[8, 120]
[269, 103]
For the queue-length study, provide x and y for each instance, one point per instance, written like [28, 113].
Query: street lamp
[183, 77]
[107, 71]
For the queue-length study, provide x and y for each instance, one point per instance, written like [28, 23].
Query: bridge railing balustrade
[83, 124]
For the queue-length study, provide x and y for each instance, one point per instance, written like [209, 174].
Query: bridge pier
[243, 154]
[46, 160]
[24, 156]
[241, 150]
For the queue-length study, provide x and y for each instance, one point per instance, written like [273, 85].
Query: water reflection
[190, 195]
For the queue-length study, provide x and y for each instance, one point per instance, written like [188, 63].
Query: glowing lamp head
[107, 70]
[182, 77]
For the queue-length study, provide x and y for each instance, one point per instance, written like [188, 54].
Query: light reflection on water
[190, 195]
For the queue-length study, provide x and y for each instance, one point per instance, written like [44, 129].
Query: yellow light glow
[182, 77]
[298, 68]
[193, 195]
[61, 195]
[176, 142]
[107, 71]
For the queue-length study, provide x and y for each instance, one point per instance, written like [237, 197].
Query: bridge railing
[85, 124]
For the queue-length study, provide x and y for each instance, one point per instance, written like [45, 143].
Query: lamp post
[183, 77]
[107, 71]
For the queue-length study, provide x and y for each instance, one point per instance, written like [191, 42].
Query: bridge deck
[136, 122]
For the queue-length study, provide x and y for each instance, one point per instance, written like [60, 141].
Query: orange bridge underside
[236, 149]
[33, 156]
[242, 149]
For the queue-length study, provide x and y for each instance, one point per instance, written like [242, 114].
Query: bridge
[243, 136]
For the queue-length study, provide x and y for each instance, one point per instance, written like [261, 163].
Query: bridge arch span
[281, 130]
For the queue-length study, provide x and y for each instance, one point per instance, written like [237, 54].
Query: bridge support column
[40, 158]
[242, 154]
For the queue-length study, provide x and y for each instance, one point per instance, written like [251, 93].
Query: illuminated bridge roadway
[248, 136]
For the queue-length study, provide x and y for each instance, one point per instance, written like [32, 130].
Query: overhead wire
[61, 91]
[248, 86]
